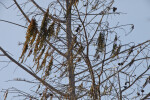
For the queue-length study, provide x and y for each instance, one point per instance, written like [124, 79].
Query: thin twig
[13, 23]
[55, 19]
[22, 11]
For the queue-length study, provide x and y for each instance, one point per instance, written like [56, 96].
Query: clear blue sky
[137, 14]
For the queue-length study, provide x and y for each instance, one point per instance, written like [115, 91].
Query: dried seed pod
[25, 47]
[51, 31]
[31, 33]
[57, 30]
[48, 67]
[33, 30]
[44, 59]
[43, 29]
[36, 45]
[101, 42]
[40, 55]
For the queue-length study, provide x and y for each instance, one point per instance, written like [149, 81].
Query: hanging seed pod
[44, 60]
[101, 42]
[51, 31]
[49, 67]
[115, 49]
[36, 46]
[33, 38]
[118, 49]
[41, 44]
[57, 30]
[43, 32]
[25, 47]
[43, 29]
[30, 52]
[40, 55]
[34, 31]
[116, 38]
[31, 33]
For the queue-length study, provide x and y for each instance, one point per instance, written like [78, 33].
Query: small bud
[138, 93]
[114, 9]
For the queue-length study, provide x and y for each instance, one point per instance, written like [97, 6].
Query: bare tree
[78, 54]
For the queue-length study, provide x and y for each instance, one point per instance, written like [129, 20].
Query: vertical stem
[70, 55]
[120, 96]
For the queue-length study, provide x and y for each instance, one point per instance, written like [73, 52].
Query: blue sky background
[138, 13]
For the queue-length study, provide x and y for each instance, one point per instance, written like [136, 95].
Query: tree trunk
[70, 55]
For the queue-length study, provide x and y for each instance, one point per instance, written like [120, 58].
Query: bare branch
[34, 75]
[22, 11]
[55, 19]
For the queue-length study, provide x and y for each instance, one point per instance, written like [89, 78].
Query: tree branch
[55, 48]
[22, 11]
[146, 97]
[55, 19]
[34, 75]
[12, 23]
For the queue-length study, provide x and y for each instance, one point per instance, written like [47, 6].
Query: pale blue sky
[137, 14]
